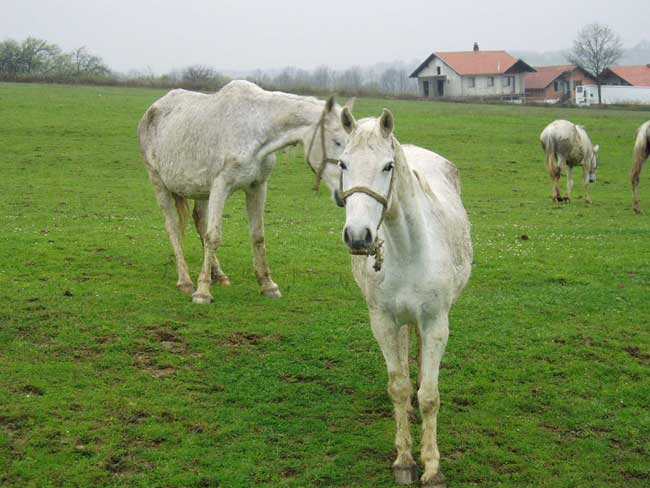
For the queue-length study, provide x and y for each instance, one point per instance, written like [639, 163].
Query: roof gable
[635, 75]
[477, 62]
[545, 75]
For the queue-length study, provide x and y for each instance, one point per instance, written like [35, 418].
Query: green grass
[110, 377]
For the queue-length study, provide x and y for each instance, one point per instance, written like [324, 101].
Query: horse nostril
[367, 237]
[346, 236]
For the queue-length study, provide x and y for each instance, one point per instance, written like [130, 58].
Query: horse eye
[337, 143]
[342, 165]
[389, 166]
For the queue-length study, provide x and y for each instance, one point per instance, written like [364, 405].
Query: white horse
[205, 147]
[568, 145]
[403, 207]
[641, 153]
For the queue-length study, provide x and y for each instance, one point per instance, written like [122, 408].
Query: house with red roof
[477, 74]
[627, 75]
[551, 84]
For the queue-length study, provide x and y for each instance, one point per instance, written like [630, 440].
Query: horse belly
[188, 178]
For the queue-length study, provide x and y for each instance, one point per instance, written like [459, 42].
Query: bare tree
[596, 48]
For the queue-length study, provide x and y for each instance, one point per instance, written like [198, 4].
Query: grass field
[110, 377]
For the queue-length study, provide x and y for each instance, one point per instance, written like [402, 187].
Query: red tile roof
[546, 75]
[634, 75]
[477, 62]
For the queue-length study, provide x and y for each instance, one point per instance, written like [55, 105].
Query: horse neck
[292, 120]
[404, 235]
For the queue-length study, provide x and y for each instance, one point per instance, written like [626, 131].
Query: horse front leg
[211, 240]
[393, 341]
[433, 335]
[255, 201]
[200, 222]
[585, 178]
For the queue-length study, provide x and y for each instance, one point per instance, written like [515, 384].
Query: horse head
[367, 165]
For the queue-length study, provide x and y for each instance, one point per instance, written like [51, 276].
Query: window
[425, 88]
[507, 81]
[556, 86]
[490, 80]
[471, 82]
[439, 70]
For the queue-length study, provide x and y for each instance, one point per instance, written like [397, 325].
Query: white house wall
[459, 86]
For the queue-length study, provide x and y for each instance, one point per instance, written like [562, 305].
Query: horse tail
[183, 209]
[641, 153]
[550, 150]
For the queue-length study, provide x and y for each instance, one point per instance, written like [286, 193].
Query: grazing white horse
[641, 153]
[205, 147]
[568, 145]
[403, 207]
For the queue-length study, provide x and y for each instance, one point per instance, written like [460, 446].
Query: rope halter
[375, 248]
[324, 160]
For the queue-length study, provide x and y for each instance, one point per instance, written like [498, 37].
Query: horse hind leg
[200, 222]
[639, 160]
[173, 209]
[211, 240]
[569, 184]
[555, 173]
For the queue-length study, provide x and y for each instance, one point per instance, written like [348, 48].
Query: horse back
[434, 168]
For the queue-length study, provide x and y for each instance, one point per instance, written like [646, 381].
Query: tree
[596, 48]
[86, 64]
[37, 55]
[31, 57]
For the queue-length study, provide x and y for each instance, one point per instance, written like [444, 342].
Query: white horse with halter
[410, 239]
[205, 147]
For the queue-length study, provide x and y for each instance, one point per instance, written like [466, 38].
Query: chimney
[476, 47]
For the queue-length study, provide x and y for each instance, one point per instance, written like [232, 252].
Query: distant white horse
[205, 147]
[568, 145]
[403, 207]
[641, 153]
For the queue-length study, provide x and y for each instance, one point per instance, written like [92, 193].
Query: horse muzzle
[358, 240]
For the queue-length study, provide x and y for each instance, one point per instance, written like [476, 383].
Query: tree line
[36, 60]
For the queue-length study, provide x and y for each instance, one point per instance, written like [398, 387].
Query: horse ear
[347, 120]
[386, 123]
[596, 147]
[329, 105]
[350, 103]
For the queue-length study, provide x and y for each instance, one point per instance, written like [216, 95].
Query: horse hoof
[221, 281]
[405, 475]
[201, 299]
[273, 292]
[185, 287]
[437, 481]
[218, 278]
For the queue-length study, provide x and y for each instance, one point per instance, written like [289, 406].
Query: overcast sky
[250, 34]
